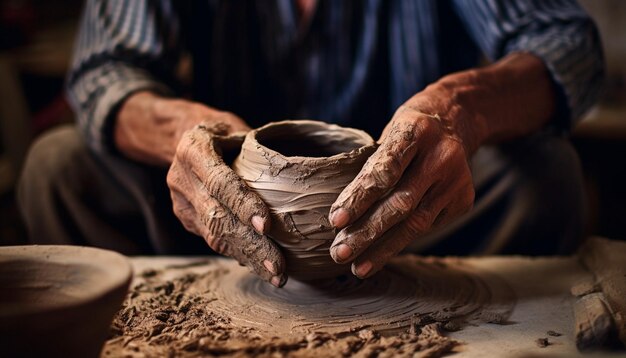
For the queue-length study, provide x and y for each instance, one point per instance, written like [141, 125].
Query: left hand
[419, 178]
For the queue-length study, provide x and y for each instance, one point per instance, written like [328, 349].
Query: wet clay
[218, 308]
[299, 168]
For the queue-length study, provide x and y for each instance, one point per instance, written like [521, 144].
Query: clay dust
[219, 308]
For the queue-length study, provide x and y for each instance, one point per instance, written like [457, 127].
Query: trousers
[529, 200]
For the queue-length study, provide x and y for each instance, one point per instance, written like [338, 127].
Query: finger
[185, 212]
[197, 149]
[178, 183]
[435, 209]
[228, 236]
[224, 232]
[445, 164]
[381, 172]
[393, 241]
[356, 238]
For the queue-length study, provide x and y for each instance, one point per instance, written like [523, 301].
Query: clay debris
[221, 309]
[160, 319]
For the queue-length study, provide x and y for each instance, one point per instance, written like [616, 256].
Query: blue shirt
[354, 64]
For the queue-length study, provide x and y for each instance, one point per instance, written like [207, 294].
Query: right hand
[213, 202]
[208, 197]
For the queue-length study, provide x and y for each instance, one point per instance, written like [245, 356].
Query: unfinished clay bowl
[299, 168]
[58, 301]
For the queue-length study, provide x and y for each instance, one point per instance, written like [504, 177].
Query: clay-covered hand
[213, 202]
[208, 197]
[418, 178]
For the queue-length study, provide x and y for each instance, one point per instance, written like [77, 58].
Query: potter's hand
[213, 202]
[417, 179]
[208, 197]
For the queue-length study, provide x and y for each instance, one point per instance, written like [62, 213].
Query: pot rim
[252, 138]
[112, 271]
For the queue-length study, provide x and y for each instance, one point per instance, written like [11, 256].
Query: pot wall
[299, 190]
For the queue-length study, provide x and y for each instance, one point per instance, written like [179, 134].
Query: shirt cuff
[573, 56]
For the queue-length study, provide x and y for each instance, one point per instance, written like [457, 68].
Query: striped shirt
[353, 64]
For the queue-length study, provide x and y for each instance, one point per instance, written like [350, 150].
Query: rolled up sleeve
[123, 47]
[558, 32]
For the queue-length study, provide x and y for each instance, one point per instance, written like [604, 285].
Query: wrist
[452, 99]
[508, 99]
[149, 127]
[138, 130]
[137, 105]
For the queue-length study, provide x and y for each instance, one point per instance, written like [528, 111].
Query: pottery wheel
[388, 302]
[218, 307]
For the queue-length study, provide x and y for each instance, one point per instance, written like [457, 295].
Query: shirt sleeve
[123, 46]
[557, 31]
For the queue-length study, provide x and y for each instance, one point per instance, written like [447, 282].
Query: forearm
[149, 127]
[508, 99]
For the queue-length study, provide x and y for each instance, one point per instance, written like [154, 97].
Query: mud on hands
[213, 202]
[418, 178]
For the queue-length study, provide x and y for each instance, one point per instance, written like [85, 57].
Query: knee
[46, 167]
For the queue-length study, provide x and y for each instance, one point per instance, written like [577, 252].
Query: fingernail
[339, 218]
[269, 266]
[342, 252]
[259, 224]
[363, 269]
[278, 281]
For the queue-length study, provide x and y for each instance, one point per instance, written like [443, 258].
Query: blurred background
[36, 39]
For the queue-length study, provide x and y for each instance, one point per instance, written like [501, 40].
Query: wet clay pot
[58, 301]
[299, 168]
